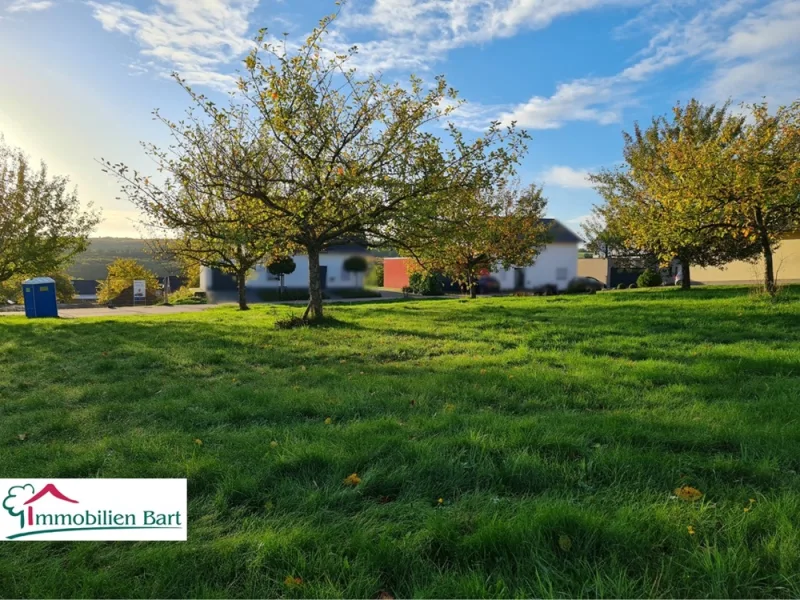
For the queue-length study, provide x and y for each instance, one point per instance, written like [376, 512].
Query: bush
[187, 296]
[649, 278]
[632, 286]
[621, 286]
[375, 274]
[425, 284]
[282, 266]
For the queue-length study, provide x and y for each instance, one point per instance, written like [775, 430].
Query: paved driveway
[102, 311]
[122, 311]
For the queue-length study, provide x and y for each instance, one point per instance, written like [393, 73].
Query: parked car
[488, 285]
[548, 289]
[585, 285]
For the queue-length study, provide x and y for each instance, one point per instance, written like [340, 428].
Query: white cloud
[566, 177]
[440, 25]
[29, 5]
[751, 54]
[199, 39]
[598, 100]
[759, 57]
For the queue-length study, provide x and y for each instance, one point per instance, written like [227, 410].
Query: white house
[556, 265]
[331, 265]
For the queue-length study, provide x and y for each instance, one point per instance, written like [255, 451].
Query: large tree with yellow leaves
[664, 200]
[331, 154]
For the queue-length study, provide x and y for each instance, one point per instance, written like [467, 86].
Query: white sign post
[139, 291]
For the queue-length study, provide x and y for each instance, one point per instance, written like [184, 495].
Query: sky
[79, 79]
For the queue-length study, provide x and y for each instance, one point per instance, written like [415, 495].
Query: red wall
[395, 272]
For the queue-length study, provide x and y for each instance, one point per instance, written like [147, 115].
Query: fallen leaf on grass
[353, 479]
[22, 437]
[293, 581]
[198, 441]
[688, 493]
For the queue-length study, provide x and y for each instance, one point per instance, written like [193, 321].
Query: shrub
[357, 265]
[632, 286]
[375, 274]
[649, 278]
[620, 286]
[425, 284]
[282, 266]
[185, 295]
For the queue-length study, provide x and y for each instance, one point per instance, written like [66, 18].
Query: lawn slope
[506, 447]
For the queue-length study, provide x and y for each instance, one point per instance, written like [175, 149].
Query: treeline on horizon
[93, 263]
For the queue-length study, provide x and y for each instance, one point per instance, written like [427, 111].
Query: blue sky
[78, 79]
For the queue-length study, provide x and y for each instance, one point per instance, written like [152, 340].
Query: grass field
[554, 431]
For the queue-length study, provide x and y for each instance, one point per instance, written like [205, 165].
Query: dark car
[583, 285]
[488, 285]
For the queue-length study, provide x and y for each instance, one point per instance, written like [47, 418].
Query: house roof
[37, 280]
[560, 234]
[85, 287]
[348, 245]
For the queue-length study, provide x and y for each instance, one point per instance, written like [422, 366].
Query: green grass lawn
[554, 430]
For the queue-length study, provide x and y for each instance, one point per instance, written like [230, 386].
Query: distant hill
[92, 264]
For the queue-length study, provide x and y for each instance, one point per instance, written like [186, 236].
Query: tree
[652, 204]
[42, 225]
[329, 154]
[754, 181]
[282, 267]
[121, 274]
[11, 289]
[357, 265]
[203, 220]
[480, 230]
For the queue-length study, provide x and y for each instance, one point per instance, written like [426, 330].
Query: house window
[561, 274]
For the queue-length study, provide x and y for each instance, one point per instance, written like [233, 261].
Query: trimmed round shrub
[632, 286]
[355, 264]
[620, 286]
[282, 266]
[650, 278]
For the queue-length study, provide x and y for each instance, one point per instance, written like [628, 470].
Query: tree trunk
[686, 281]
[766, 251]
[769, 267]
[241, 280]
[314, 310]
[280, 289]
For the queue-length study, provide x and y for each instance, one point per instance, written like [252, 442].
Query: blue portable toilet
[40, 297]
